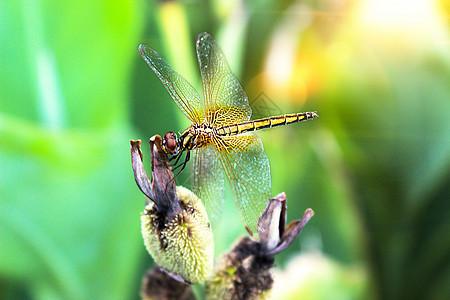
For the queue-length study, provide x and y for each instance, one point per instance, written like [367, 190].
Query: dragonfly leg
[188, 156]
[177, 157]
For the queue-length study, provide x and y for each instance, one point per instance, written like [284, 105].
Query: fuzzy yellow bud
[182, 245]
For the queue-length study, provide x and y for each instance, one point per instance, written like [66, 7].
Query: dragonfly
[221, 137]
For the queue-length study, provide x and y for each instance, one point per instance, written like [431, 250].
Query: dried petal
[161, 189]
[292, 231]
[163, 183]
[272, 221]
[140, 176]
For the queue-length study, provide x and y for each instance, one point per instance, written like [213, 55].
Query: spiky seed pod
[183, 244]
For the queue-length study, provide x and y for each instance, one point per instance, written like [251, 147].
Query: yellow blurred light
[173, 22]
[282, 77]
[403, 28]
[281, 59]
[399, 14]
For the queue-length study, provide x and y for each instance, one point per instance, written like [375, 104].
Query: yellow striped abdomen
[235, 129]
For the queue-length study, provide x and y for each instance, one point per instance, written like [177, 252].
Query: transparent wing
[182, 92]
[225, 99]
[207, 181]
[248, 170]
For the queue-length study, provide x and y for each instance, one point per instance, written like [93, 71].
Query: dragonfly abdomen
[235, 129]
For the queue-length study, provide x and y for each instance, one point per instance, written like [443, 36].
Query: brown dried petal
[161, 189]
[292, 231]
[163, 183]
[140, 176]
[272, 222]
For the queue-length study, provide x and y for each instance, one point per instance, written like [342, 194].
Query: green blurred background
[374, 166]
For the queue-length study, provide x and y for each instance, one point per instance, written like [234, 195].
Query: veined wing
[182, 92]
[207, 181]
[225, 99]
[248, 170]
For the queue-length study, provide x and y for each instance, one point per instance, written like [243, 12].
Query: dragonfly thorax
[196, 136]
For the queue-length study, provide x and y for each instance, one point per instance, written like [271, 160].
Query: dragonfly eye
[170, 143]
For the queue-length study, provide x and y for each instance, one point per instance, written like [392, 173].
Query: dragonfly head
[170, 143]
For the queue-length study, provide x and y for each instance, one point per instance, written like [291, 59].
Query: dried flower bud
[157, 284]
[175, 226]
[244, 272]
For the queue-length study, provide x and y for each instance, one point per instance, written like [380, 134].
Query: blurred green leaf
[71, 60]
[69, 211]
[391, 128]
[68, 204]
